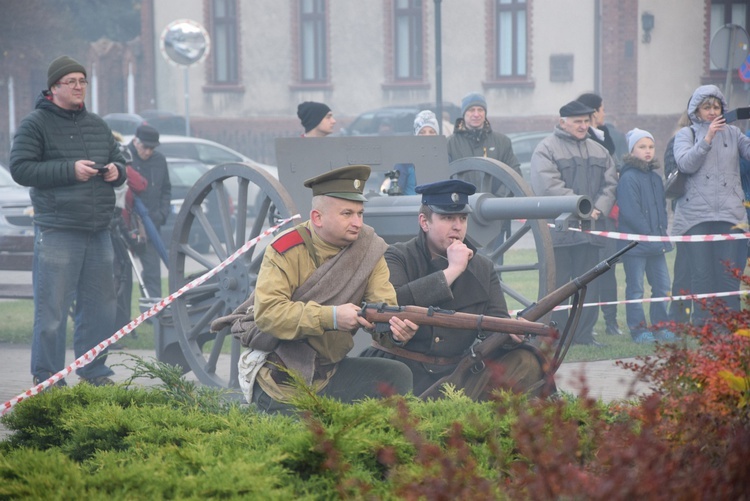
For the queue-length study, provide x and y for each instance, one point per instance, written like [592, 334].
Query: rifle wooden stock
[381, 313]
[546, 304]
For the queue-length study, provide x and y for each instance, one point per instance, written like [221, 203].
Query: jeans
[151, 273]
[356, 378]
[657, 274]
[708, 267]
[71, 265]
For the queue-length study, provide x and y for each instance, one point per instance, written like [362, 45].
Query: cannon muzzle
[395, 218]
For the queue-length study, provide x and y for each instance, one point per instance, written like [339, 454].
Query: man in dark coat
[600, 133]
[152, 165]
[72, 163]
[440, 268]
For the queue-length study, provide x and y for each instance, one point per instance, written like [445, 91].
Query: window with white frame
[313, 41]
[225, 42]
[510, 38]
[728, 12]
[408, 42]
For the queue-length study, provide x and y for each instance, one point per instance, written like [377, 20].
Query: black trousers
[355, 378]
[570, 262]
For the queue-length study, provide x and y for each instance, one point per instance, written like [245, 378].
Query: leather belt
[418, 357]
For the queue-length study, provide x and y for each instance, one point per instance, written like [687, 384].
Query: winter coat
[48, 143]
[713, 190]
[643, 207]
[419, 280]
[465, 142]
[565, 165]
[158, 194]
[605, 140]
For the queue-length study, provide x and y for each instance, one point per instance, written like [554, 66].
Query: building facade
[528, 57]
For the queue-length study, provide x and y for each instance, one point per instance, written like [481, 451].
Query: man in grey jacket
[72, 163]
[569, 162]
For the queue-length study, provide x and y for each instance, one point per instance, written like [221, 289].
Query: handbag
[675, 185]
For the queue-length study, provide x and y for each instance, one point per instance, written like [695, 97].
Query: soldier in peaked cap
[306, 304]
[440, 268]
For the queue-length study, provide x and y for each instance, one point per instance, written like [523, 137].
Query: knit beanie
[425, 118]
[311, 114]
[636, 135]
[61, 67]
[473, 99]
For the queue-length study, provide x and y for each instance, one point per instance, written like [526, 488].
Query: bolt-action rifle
[466, 373]
[380, 313]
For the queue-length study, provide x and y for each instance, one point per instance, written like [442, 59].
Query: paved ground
[603, 379]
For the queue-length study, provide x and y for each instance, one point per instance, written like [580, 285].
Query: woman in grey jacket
[713, 201]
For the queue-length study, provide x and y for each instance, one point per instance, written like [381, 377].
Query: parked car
[394, 120]
[524, 144]
[165, 122]
[184, 173]
[16, 225]
[210, 153]
[16, 211]
[124, 123]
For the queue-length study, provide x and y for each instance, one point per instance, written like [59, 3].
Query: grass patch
[17, 318]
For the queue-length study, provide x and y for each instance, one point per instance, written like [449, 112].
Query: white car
[208, 152]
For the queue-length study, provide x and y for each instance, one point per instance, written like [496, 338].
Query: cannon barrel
[395, 218]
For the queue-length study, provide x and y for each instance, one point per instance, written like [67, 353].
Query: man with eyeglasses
[72, 163]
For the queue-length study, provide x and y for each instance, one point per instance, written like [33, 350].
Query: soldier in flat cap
[569, 162]
[306, 307]
[440, 268]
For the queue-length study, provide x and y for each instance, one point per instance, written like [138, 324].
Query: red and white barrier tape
[687, 297]
[653, 238]
[90, 355]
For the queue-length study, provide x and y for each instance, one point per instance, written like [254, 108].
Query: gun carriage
[251, 200]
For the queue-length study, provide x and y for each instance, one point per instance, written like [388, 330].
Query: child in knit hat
[643, 211]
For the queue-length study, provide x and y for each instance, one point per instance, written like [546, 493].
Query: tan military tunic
[275, 313]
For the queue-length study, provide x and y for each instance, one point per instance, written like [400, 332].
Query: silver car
[16, 212]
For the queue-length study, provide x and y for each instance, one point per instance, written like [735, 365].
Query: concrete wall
[671, 65]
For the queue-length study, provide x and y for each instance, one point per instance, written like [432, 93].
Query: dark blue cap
[447, 197]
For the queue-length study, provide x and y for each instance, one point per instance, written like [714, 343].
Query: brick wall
[619, 56]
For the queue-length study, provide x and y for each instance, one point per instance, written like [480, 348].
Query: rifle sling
[418, 357]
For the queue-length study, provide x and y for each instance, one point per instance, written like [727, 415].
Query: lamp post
[438, 68]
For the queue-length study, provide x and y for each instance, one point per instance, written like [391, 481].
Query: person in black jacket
[643, 211]
[440, 268]
[72, 163]
[608, 281]
[152, 165]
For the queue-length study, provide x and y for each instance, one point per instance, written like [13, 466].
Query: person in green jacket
[72, 163]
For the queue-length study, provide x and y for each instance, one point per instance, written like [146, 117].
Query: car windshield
[206, 153]
[184, 174]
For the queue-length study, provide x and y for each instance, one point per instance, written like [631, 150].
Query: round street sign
[729, 47]
[185, 43]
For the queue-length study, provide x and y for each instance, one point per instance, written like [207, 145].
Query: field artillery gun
[250, 200]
